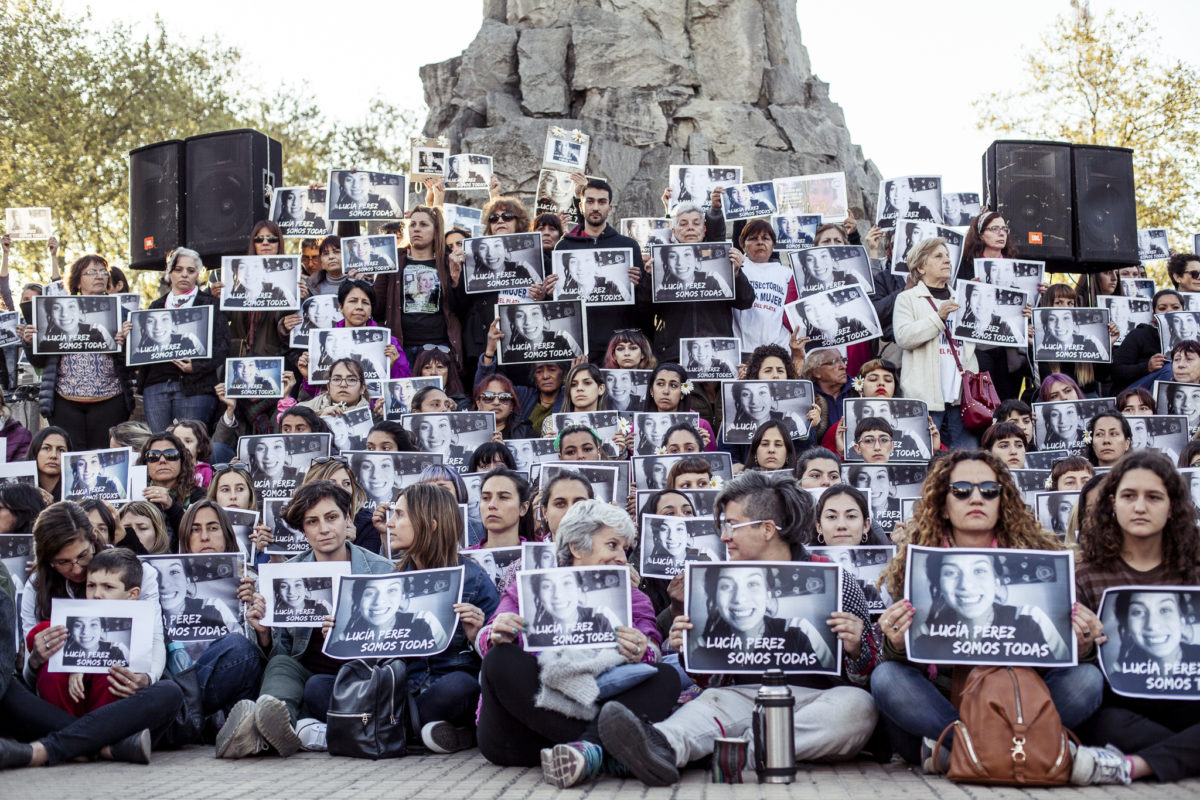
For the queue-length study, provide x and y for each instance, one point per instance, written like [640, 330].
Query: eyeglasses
[266, 239]
[990, 490]
[997, 229]
[493, 397]
[444, 348]
[240, 466]
[834, 362]
[345, 380]
[79, 561]
[727, 527]
[156, 455]
[871, 441]
[507, 216]
[95, 273]
[327, 459]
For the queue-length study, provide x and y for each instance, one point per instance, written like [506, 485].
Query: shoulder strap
[949, 336]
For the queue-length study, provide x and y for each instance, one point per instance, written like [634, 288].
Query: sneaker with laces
[1094, 766]
[942, 765]
[312, 734]
[442, 737]
[640, 746]
[274, 722]
[565, 765]
[239, 736]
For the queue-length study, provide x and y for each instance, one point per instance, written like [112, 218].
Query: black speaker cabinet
[156, 206]
[1030, 184]
[1105, 207]
[230, 176]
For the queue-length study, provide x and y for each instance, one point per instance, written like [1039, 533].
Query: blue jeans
[913, 708]
[228, 671]
[165, 402]
[451, 697]
[954, 435]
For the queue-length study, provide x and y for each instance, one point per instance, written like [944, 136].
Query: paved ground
[194, 773]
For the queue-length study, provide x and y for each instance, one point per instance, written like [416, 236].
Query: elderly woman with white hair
[521, 719]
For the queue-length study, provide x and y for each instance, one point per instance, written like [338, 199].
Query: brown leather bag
[1008, 732]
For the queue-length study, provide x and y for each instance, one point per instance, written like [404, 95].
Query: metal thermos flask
[774, 747]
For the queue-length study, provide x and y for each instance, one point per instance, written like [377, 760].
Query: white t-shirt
[763, 322]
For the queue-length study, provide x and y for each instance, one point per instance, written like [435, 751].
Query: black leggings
[512, 730]
[1164, 732]
[88, 423]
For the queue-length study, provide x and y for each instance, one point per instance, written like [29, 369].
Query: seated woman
[194, 435]
[495, 393]
[817, 467]
[433, 360]
[1110, 437]
[346, 391]
[506, 509]
[45, 449]
[143, 529]
[771, 447]
[337, 470]
[171, 477]
[669, 392]
[1006, 441]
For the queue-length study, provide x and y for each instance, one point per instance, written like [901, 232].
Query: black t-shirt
[423, 327]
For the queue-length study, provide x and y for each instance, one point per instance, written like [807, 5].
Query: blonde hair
[141, 508]
[918, 254]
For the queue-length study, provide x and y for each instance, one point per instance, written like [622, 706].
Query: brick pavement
[194, 773]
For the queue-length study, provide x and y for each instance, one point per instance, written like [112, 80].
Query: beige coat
[918, 327]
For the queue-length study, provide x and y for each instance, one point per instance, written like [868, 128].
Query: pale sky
[880, 63]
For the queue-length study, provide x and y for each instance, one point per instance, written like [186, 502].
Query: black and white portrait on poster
[1071, 334]
[197, 593]
[97, 475]
[455, 436]
[748, 200]
[19, 472]
[468, 172]
[103, 634]
[552, 330]
[243, 520]
[818, 269]
[369, 255]
[667, 543]
[527, 452]
[650, 429]
[795, 230]
[538, 555]
[1030, 482]
[1053, 511]
[650, 472]
[823, 195]
[990, 314]
[1181, 399]
[556, 194]
[1010, 273]
[301, 212]
[1151, 650]
[646, 231]
[748, 404]
[27, 224]
[1176, 327]
[286, 541]
[395, 615]
[885, 486]
[911, 232]
[626, 387]
[510, 261]
[748, 617]
[75, 324]
[695, 184]
[318, 311]
[565, 150]
[604, 423]
[990, 606]
[604, 480]
[253, 377]
[366, 345]
[1044, 459]
[912, 197]
[959, 207]
[260, 282]
[494, 561]
[1152, 244]
[357, 195]
[382, 474]
[1061, 424]
[1166, 433]
[686, 502]
[299, 594]
[468, 218]
[427, 157]
[574, 607]
[278, 461]
[1126, 313]
[864, 565]
[398, 393]
[710, 358]
[688, 273]
[8, 328]
[351, 429]
[599, 277]
[1191, 300]
[835, 317]
[169, 334]
[16, 552]
[909, 420]
[1139, 287]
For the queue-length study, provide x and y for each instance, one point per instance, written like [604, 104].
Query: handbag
[978, 400]
[1008, 732]
[371, 714]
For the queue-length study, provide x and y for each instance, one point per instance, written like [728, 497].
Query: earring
[865, 534]
[820, 538]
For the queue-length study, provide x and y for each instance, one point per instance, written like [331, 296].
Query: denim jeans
[915, 709]
[954, 435]
[228, 671]
[165, 402]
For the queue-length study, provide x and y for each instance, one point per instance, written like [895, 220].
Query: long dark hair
[185, 483]
[25, 502]
[973, 246]
[756, 440]
[60, 525]
[685, 401]
[269, 227]
[524, 493]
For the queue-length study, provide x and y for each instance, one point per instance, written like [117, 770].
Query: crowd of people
[805, 480]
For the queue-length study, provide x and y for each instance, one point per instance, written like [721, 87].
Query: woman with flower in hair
[669, 392]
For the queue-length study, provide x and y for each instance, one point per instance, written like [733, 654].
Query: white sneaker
[1093, 766]
[312, 734]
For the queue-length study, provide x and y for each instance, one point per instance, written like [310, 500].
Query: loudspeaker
[156, 207]
[1105, 208]
[1030, 184]
[230, 176]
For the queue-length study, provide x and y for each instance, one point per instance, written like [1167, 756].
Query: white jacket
[918, 331]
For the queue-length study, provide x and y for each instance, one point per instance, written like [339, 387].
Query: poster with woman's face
[68, 324]
[886, 485]
[668, 543]
[103, 634]
[990, 606]
[1153, 647]
[1053, 511]
[494, 561]
[454, 435]
[551, 330]
[689, 273]
[1062, 424]
[864, 565]
[299, 594]
[577, 608]
[749, 404]
[197, 593]
[597, 276]
[97, 474]
[910, 426]
[395, 614]
[752, 616]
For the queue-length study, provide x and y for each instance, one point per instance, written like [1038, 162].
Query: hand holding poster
[748, 404]
[574, 607]
[1151, 651]
[163, 335]
[990, 606]
[97, 474]
[197, 593]
[102, 634]
[597, 276]
[835, 318]
[355, 195]
[398, 614]
[299, 594]
[990, 314]
[752, 616]
[75, 324]
[551, 330]
[260, 282]
[688, 273]
[667, 543]
[509, 261]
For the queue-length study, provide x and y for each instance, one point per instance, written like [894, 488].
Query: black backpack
[371, 714]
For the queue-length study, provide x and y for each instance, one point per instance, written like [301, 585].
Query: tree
[1101, 81]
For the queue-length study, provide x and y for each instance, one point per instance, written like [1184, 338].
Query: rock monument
[654, 83]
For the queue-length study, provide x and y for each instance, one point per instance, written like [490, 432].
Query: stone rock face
[654, 83]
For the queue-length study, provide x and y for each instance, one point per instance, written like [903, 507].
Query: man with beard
[594, 233]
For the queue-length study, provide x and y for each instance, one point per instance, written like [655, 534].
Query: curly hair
[1016, 527]
[1102, 538]
[762, 353]
[506, 203]
[185, 483]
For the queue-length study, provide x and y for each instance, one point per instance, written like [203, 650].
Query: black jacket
[1131, 359]
[204, 374]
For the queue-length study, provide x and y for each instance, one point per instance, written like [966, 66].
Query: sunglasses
[327, 459]
[240, 466]
[268, 239]
[157, 455]
[492, 397]
[507, 216]
[989, 490]
[1193, 274]
[442, 347]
